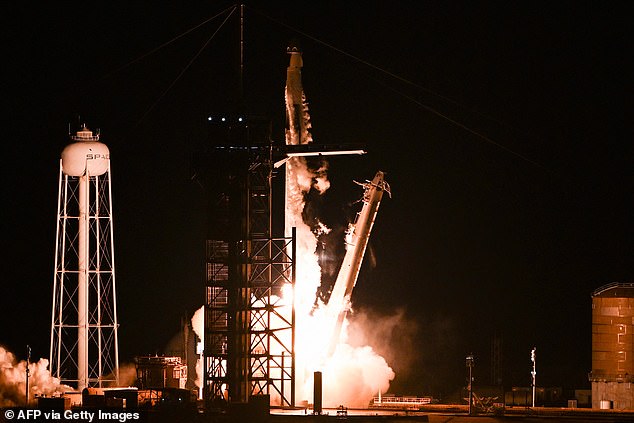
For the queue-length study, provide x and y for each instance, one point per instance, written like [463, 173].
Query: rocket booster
[297, 118]
[297, 124]
[356, 243]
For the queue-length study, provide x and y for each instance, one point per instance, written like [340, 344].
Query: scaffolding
[249, 304]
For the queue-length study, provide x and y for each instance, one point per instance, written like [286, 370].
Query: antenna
[534, 371]
[241, 82]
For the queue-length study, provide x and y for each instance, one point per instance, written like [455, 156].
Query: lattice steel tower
[84, 347]
[249, 330]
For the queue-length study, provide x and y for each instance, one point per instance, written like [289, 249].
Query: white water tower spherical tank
[86, 155]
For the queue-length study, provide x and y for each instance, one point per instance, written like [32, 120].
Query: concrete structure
[612, 373]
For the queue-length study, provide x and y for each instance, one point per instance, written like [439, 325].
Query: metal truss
[249, 326]
[272, 328]
[99, 323]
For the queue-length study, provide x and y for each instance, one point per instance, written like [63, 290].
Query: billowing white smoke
[198, 325]
[351, 375]
[13, 380]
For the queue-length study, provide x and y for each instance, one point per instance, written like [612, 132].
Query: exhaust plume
[198, 325]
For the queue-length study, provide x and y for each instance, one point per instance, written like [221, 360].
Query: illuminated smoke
[355, 372]
[394, 336]
[198, 325]
[351, 376]
[13, 380]
[127, 374]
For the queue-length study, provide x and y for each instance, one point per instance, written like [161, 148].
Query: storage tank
[86, 155]
[612, 372]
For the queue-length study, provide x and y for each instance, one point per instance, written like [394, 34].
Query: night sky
[502, 128]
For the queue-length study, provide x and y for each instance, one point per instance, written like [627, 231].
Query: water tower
[84, 347]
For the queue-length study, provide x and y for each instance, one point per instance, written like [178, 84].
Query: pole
[28, 372]
[534, 372]
[241, 82]
[470, 364]
[282, 382]
[317, 393]
[82, 283]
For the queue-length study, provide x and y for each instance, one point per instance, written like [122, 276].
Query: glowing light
[351, 376]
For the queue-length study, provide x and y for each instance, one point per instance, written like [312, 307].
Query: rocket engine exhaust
[351, 375]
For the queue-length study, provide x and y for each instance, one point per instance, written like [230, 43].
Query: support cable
[460, 125]
[185, 68]
[154, 50]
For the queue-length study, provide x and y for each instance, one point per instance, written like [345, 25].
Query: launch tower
[248, 331]
[84, 346]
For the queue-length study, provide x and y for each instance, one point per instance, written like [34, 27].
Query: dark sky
[505, 232]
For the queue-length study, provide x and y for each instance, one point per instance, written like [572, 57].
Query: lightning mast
[533, 372]
[84, 344]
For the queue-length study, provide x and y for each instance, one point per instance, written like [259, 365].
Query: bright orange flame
[351, 376]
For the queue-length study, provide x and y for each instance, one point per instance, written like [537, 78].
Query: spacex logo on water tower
[86, 156]
[84, 346]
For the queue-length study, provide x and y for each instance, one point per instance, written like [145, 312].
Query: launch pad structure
[249, 325]
[248, 332]
[250, 275]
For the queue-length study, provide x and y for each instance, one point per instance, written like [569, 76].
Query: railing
[612, 285]
[391, 401]
[610, 377]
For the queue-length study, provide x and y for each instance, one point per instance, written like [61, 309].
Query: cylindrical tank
[86, 155]
[612, 333]
[613, 346]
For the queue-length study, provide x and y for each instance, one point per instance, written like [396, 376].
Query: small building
[583, 397]
[160, 372]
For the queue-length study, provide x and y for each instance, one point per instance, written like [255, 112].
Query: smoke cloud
[352, 375]
[393, 335]
[198, 325]
[127, 374]
[13, 380]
